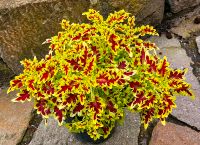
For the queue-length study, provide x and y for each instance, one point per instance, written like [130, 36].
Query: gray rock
[179, 5]
[187, 109]
[184, 26]
[198, 43]
[14, 118]
[25, 24]
[55, 135]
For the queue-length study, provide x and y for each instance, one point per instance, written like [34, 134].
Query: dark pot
[85, 138]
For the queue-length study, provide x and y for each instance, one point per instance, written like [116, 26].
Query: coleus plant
[96, 70]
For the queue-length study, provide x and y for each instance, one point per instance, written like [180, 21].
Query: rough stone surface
[187, 109]
[198, 43]
[55, 135]
[5, 73]
[25, 24]
[184, 26]
[173, 134]
[179, 5]
[14, 118]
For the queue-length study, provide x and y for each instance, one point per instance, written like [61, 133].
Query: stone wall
[25, 24]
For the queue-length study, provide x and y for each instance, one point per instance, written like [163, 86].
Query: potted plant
[96, 70]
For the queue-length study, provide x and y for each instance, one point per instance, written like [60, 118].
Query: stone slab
[179, 5]
[198, 43]
[14, 118]
[52, 134]
[173, 134]
[187, 110]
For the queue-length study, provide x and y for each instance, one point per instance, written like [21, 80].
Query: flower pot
[85, 138]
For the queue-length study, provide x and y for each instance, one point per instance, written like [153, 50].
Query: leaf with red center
[155, 82]
[86, 37]
[105, 130]
[66, 69]
[16, 83]
[122, 65]
[149, 102]
[142, 57]
[183, 87]
[78, 108]
[64, 88]
[176, 74]
[30, 85]
[128, 73]
[45, 76]
[40, 95]
[22, 97]
[48, 88]
[41, 106]
[89, 68]
[139, 99]
[82, 99]
[95, 105]
[113, 41]
[163, 68]
[152, 64]
[102, 79]
[110, 107]
[121, 81]
[52, 46]
[147, 116]
[135, 85]
[74, 63]
[77, 37]
[71, 98]
[59, 114]
[51, 71]
[39, 68]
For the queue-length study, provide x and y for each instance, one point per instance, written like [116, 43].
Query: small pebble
[168, 35]
[197, 20]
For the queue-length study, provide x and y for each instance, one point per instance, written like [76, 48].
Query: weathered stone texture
[52, 134]
[198, 43]
[25, 24]
[187, 109]
[173, 134]
[14, 118]
[179, 5]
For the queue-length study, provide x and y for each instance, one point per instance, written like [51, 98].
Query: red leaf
[22, 97]
[31, 84]
[142, 57]
[113, 42]
[122, 65]
[78, 108]
[71, 98]
[95, 105]
[44, 76]
[162, 70]
[77, 37]
[134, 85]
[17, 83]
[110, 106]
[176, 75]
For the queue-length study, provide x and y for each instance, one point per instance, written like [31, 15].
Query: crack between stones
[145, 135]
[35, 121]
[175, 120]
